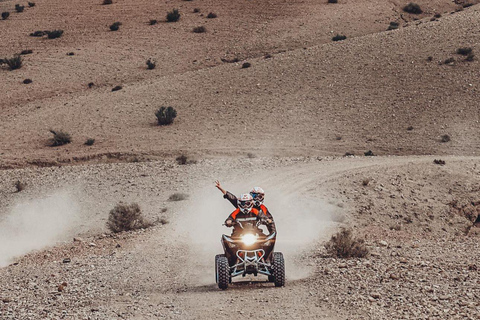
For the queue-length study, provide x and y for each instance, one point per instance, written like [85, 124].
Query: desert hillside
[377, 134]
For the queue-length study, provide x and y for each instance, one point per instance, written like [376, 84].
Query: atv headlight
[249, 239]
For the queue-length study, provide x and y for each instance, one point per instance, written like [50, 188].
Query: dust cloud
[35, 224]
[300, 220]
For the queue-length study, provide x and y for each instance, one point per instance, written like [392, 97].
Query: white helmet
[258, 196]
[245, 203]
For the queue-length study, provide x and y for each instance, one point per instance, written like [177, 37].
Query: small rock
[91, 244]
[383, 243]
[393, 276]
[6, 300]
[375, 295]
[77, 239]
[342, 266]
[67, 260]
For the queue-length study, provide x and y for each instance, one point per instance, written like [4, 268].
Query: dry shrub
[126, 217]
[165, 115]
[183, 159]
[445, 138]
[13, 63]
[59, 138]
[464, 51]
[173, 16]
[178, 197]
[19, 185]
[339, 37]
[365, 182]
[200, 29]
[344, 245]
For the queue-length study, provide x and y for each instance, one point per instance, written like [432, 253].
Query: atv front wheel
[223, 271]
[278, 269]
[216, 269]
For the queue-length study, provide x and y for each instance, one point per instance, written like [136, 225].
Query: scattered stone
[67, 260]
[6, 300]
[383, 243]
[78, 239]
[394, 276]
[91, 244]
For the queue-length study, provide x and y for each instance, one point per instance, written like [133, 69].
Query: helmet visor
[258, 196]
[245, 204]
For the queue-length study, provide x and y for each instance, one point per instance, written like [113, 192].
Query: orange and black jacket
[262, 209]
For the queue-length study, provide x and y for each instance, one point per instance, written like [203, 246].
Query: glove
[228, 223]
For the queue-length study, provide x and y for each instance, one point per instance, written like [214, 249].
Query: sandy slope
[352, 96]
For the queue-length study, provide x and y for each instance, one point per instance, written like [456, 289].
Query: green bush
[339, 37]
[5, 15]
[13, 63]
[464, 51]
[393, 26]
[115, 26]
[90, 142]
[31, 4]
[165, 115]
[59, 138]
[54, 34]
[412, 8]
[151, 64]
[107, 2]
[173, 16]
[19, 8]
[211, 15]
[153, 22]
[38, 33]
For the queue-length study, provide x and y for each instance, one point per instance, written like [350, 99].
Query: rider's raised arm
[232, 198]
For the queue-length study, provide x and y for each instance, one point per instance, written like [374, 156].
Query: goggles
[257, 196]
[245, 204]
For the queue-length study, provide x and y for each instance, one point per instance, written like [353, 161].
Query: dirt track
[152, 274]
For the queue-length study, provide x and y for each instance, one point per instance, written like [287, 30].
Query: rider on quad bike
[258, 196]
[244, 212]
[248, 250]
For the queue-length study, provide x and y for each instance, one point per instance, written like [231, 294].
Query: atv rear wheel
[223, 271]
[271, 279]
[278, 267]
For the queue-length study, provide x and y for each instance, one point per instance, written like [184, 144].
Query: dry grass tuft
[126, 217]
[344, 245]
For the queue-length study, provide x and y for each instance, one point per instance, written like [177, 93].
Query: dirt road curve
[167, 271]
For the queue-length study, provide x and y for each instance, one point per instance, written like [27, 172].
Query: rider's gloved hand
[269, 221]
[228, 223]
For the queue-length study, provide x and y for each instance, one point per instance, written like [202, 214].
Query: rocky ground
[413, 270]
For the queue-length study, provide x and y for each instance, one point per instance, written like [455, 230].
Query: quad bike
[249, 251]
